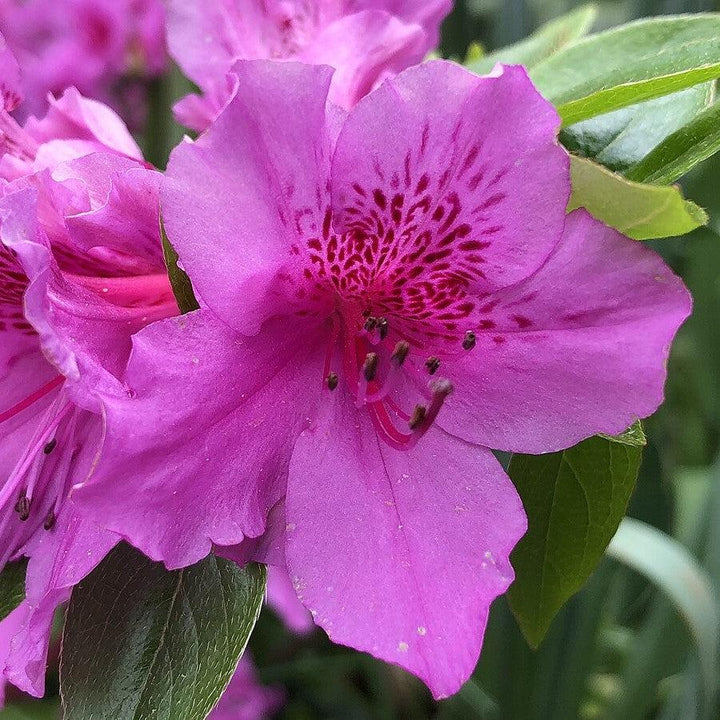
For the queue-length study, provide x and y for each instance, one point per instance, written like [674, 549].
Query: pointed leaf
[574, 501]
[681, 151]
[620, 139]
[640, 211]
[179, 280]
[543, 43]
[626, 65]
[12, 587]
[143, 642]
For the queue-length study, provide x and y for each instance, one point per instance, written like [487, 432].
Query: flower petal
[236, 200]
[578, 348]
[438, 157]
[425, 538]
[365, 47]
[204, 453]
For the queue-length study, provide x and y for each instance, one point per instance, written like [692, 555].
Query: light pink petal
[244, 197]
[400, 554]
[427, 13]
[9, 627]
[204, 453]
[59, 559]
[445, 161]
[284, 601]
[576, 349]
[74, 117]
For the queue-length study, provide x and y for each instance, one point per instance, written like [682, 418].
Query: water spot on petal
[402, 646]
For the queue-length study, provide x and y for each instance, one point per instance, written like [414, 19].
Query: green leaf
[574, 501]
[681, 151]
[620, 139]
[640, 211]
[670, 566]
[12, 587]
[626, 65]
[143, 642]
[543, 43]
[179, 280]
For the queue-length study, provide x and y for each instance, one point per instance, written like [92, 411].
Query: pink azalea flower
[245, 698]
[81, 269]
[92, 45]
[384, 297]
[366, 40]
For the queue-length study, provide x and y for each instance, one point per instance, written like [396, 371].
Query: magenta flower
[365, 40]
[80, 270]
[245, 698]
[92, 45]
[385, 296]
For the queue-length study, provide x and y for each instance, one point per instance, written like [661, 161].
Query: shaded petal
[578, 348]
[284, 601]
[449, 162]
[364, 48]
[237, 200]
[10, 85]
[424, 536]
[204, 453]
[74, 117]
[59, 559]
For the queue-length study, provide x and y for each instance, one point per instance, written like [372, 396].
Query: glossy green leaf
[634, 62]
[142, 642]
[620, 139]
[682, 150]
[179, 280]
[12, 587]
[574, 501]
[670, 566]
[543, 43]
[640, 211]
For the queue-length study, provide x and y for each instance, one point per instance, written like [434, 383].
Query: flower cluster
[389, 289]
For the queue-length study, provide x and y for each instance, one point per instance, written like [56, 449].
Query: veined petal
[576, 349]
[425, 538]
[238, 200]
[204, 452]
[478, 179]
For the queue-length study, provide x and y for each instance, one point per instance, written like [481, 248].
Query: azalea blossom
[366, 40]
[81, 269]
[384, 297]
[96, 46]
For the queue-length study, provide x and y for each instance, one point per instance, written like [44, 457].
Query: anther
[22, 507]
[370, 324]
[469, 340]
[418, 417]
[370, 366]
[432, 364]
[49, 521]
[382, 326]
[400, 353]
[50, 446]
[332, 381]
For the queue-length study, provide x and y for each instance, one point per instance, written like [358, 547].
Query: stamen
[22, 507]
[432, 364]
[49, 520]
[418, 417]
[370, 366]
[383, 327]
[332, 380]
[400, 353]
[469, 340]
[370, 324]
[50, 446]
